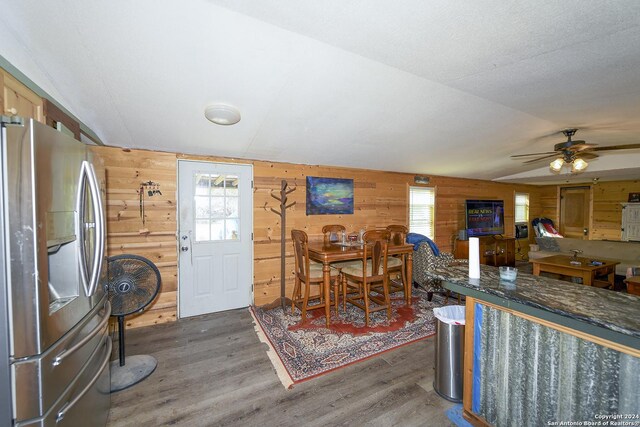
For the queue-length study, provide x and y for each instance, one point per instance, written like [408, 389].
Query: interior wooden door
[574, 212]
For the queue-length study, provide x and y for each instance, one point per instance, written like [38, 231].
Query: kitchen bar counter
[541, 351]
[615, 315]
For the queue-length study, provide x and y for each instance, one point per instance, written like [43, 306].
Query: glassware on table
[508, 273]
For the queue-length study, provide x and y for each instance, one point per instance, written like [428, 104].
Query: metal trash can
[449, 352]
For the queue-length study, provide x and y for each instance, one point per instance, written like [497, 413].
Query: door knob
[184, 248]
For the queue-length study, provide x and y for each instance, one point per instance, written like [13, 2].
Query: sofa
[626, 253]
[424, 260]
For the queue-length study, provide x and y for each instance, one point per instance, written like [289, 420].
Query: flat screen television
[484, 217]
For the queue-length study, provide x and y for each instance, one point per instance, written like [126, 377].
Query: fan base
[136, 369]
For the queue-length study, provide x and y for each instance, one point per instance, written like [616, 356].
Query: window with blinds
[522, 208]
[421, 211]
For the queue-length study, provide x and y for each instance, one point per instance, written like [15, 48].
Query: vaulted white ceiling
[439, 87]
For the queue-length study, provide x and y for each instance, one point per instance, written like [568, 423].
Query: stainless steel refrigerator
[54, 313]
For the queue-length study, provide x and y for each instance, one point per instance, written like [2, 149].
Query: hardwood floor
[212, 370]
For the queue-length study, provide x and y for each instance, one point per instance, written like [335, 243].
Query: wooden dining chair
[372, 269]
[397, 263]
[332, 232]
[308, 274]
[336, 230]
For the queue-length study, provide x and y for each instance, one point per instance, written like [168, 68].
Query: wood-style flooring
[213, 371]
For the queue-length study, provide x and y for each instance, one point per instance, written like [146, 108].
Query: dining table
[330, 252]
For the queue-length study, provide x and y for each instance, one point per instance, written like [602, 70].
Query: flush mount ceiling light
[222, 114]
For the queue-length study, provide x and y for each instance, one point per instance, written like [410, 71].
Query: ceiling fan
[572, 152]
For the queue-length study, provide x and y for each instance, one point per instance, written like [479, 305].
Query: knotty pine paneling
[156, 239]
[607, 206]
[380, 199]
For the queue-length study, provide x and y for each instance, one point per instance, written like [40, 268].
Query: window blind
[522, 208]
[421, 210]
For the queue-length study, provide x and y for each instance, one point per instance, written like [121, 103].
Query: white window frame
[427, 226]
[520, 220]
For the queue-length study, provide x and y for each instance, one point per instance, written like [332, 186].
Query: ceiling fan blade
[587, 155]
[582, 147]
[533, 154]
[542, 158]
[616, 147]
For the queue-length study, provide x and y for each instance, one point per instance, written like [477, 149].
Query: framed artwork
[329, 196]
[634, 197]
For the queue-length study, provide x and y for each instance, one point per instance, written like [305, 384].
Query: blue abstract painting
[328, 196]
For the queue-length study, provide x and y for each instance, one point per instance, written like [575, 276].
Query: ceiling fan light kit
[578, 165]
[556, 165]
[573, 152]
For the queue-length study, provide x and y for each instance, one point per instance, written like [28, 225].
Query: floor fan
[134, 282]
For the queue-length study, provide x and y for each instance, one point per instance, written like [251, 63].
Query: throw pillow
[550, 228]
[549, 244]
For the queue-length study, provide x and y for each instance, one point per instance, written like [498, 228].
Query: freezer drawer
[39, 381]
[87, 399]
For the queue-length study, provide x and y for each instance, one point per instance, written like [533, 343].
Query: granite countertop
[615, 311]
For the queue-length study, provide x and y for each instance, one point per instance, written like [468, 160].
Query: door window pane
[217, 229]
[232, 207]
[203, 209]
[216, 207]
[232, 185]
[202, 184]
[217, 185]
[232, 229]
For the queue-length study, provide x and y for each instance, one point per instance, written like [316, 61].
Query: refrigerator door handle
[100, 230]
[67, 352]
[82, 226]
[67, 406]
[91, 278]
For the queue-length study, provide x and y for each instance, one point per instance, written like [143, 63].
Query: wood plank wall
[380, 199]
[156, 239]
[607, 206]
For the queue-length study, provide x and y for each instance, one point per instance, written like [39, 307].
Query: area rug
[301, 351]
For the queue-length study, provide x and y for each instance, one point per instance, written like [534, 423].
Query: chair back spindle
[376, 249]
[398, 234]
[332, 232]
[301, 253]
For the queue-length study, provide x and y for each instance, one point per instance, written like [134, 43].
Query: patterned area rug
[300, 351]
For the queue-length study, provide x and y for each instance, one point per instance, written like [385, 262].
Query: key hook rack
[150, 189]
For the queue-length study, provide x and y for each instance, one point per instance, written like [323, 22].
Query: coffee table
[633, 285]
[561, 264]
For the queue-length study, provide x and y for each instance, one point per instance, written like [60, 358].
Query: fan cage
[134, 282]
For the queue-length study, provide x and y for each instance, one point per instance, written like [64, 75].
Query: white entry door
[215, 202]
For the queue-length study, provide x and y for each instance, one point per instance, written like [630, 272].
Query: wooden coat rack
[282, 213]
